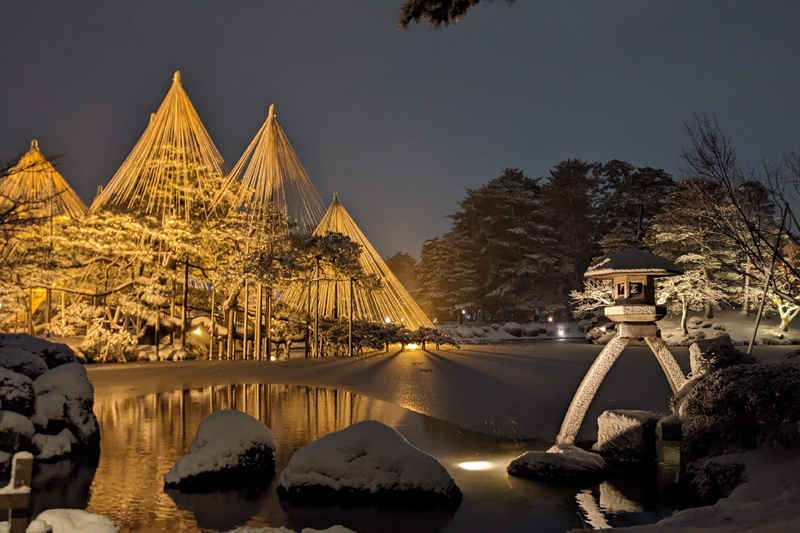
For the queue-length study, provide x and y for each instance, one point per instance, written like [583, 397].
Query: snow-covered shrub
[54, 446]
[64, 400]
[22, 362]
[712, 478]
[228, 444]
[696, 322]
[78, 317]
[626, 436]
[73, 521]
[53, 353]
[367, 459]
[104, 344]
[530, 330]
[16, 432]
[562, 461]
[513, 328]
[742, 408]
[710, 355]
[16, 393]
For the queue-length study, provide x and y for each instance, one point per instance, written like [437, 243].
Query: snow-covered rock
[52, 446]
[64, 400]
[22, 362]
[562, 461]
[513, 328]
[227, 443]
[367, 459]
[75, 521]
[709, 355]
[16, 393]
[627, 436]
[741, 408]
[16, 432]
[53, 353]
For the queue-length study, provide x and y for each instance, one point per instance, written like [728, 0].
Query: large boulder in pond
[627, 436]
[563, 462]
[53, 353]
[16, 393]
[741, 408]
[64, 400]
[228, 447]
[22, 362]
[367, 461]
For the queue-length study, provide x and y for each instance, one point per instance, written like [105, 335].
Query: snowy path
[514, 390]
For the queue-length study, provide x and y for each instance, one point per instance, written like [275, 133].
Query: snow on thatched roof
[390, 301]
[34, 181]
[632, 261]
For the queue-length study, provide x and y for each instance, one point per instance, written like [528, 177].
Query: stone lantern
[633, 274]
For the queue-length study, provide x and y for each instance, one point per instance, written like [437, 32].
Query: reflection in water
[142, 437]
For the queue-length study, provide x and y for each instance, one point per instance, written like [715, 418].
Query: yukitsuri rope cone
[174, 170]
[392, 301]
[271, 173]
[33, 181]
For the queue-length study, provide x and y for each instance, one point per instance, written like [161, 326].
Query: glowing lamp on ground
[560, 332]
[463, 312]
[198, 331]
[475, 465]
[271, 357]
[388, 320]
[549, 319]
[413, 346]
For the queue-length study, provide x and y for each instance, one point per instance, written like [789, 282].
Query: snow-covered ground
[511, 331]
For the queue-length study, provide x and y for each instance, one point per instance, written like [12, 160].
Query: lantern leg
[668, 363]
[588, 388]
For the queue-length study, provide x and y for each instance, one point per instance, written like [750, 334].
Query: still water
[142, 437]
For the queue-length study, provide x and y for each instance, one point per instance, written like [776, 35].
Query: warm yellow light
[198, 331]
[549, 319]
[271, 357]
[475, 465]
[463, 311]
[388, 320]
[413, 346]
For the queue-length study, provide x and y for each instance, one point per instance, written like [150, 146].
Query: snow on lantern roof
[632, 261]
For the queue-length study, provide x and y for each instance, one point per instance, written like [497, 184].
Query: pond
[143, 436]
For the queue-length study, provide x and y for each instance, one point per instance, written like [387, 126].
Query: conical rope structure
[38, 186]
[271, 173]
[390, 302]
[174, 169]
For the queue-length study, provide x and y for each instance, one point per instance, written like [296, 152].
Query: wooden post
[63, 309]
[31, 330]
[185, 304]
[245, 352]
[257, 347]
[308, 321]
[213, 328]
[350, 318]
[316, 317]
[48, 310]
[172, 315]
[230, 349]
[269, 324]
[18, 503]
[156, 340]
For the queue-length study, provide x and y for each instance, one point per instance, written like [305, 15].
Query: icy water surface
[142, 437]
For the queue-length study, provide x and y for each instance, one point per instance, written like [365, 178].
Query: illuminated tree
[691, 291]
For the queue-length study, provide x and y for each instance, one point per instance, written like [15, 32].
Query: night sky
[401, 123]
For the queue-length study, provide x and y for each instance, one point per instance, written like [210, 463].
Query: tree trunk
[185, 304]
[684, 316]
[709, 312]
[746, 299]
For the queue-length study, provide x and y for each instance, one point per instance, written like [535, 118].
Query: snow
[16, 432]
[632, 261]
[54, 354]
[366, 458]
[496, 333]
[66, 394]
[625, 435]
[76, 521]
[51, 446]
[224, 440]
[22, 362]
[69, 380]
[560, 461]
[16, 392]
[10, 489]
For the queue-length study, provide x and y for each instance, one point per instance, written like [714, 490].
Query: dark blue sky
[400, 123]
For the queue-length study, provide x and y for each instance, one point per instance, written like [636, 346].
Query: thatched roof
[35, 182]
[392, 301]
[174, 169]
[270, 172]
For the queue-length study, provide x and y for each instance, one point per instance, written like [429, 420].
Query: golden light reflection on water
[142, 437]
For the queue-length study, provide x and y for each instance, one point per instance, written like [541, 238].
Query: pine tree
[402, 266]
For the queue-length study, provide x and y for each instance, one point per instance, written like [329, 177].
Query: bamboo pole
[172, 314]
[350, 318]
[212, 329]
[156, 340]
[48, 311]
[245, 351]
[316, 315]
[269, 323]
[63, 309]
[308, 321]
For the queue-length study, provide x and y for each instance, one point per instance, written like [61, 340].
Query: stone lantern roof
[632, 261]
